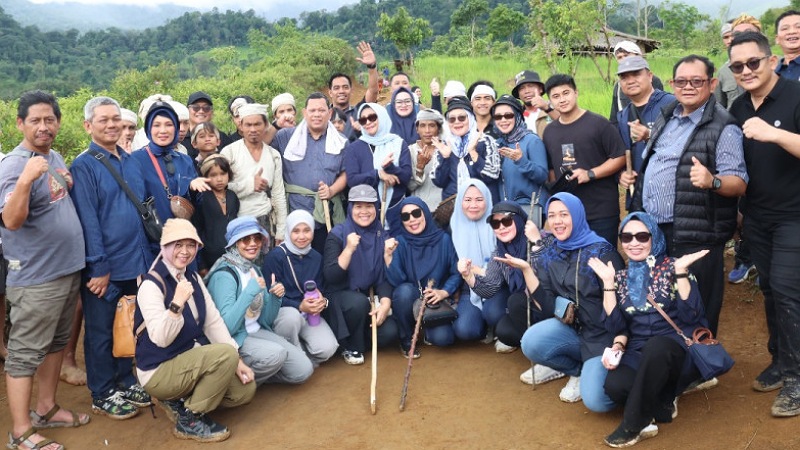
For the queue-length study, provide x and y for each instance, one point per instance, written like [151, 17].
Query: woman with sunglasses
[422, 253]
[378, 158]
[474, 239]
[654, 365]
[250, 305]
[403, 114]
[571, 347]
[524, 158]
[353, 268]
[465, 152]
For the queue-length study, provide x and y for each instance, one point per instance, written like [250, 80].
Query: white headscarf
[294, 219]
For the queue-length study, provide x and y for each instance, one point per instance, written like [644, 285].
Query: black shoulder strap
[136, 202]
[29, 154]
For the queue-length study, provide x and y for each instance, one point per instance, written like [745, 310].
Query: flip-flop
[41, 422]
[73, 375]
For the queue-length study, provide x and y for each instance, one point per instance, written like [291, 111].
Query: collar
[121, 154]
[694, 116]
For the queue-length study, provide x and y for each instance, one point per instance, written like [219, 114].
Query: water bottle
[311, 292]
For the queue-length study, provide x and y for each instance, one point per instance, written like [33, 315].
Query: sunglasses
[461, 118]
[642, 237]
[204, 108]
[753, 64]
[415, 213]
[363, 120]
[505, 221]
[507, 116]
[696, 83]
[254, 238]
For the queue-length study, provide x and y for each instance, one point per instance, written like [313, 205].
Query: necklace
[221, 199]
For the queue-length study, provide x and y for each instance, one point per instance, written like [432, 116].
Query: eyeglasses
[415, 213]
[407, 101]
[642, 237]
[461, 118]
[753, 64]
[505, 221]
[696, 83]
[370, 118]
[204, 108]
[507, 116]
[254, 238]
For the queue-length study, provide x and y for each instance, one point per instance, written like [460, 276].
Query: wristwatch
[549, 108]
[591, 174]
[371, 66]
[174, 307]
[716, 183]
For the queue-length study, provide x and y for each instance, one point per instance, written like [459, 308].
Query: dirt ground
[467, 397]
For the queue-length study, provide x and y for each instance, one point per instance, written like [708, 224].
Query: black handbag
[147, 209]
[438, 314]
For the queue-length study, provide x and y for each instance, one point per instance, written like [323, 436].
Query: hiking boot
[622, 438]
[741, 273]
[787, 403]
[499, 347]
[172, 408]
[199, 427]
[114, 406]
[352, 357]
[406, 350]
[572, 391]
[136, 396]
[768, 380]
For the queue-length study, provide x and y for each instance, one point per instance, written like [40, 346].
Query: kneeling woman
[573, 348]
[354, 267]
[250, 308]
[185, 356]
[655, 365]
[294, 264]
[421, 254]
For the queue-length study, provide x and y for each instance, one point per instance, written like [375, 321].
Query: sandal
[41, 422]
[23, 442]
[73, 375]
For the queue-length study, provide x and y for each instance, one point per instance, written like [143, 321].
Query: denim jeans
[558, 346]
[472, 322]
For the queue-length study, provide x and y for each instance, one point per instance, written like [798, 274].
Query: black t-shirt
[773, 192]
[586, 143]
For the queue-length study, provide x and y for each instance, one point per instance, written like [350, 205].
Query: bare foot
[73, 375]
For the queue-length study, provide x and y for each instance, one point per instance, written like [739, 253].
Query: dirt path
[466, 396]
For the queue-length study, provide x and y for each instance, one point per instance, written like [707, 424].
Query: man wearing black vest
[692, 175]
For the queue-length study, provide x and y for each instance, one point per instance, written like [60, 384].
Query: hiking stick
[410, 355]
[327, 210]
[534, 199]
[384, 204]
[629, 168]
[373, 402]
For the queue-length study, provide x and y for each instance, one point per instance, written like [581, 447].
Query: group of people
[257, 256]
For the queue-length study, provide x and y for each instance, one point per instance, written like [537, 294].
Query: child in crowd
[205, 139]
[214, 209]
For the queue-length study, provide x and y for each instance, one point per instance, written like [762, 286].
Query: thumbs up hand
[260, 280]
[260, 184]
[276, 288]
[700, 176]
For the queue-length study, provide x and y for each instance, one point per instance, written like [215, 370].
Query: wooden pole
[373, 401]
[629, 168]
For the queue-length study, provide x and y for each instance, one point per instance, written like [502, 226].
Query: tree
[470, 13]
[680, 22]
[504, 22]
[404, 31]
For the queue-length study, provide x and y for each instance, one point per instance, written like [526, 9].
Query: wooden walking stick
[384, 204]
[414, 338]
[373, 401]
[534, 201]
[327, 210]
[629, 168]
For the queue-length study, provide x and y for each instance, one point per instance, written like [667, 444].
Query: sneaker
[136, 396]
[622, 438]
[499, 347]
[352, 357]
[787, 403]
[114, 406]
[768, 380]
[572, 391]
[199, 427]
[701, 385]
[667, 413]
[527, 376]
[172, 408]
[741, 273]
[490, 337]
[543, 374]
[406, 349]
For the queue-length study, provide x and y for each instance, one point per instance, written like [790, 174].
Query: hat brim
[244, 233]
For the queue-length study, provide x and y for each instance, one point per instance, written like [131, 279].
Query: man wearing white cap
[257, 173]
[283, 111]
[482, 96]
[128, 125]
[622, 50]
[452, 89]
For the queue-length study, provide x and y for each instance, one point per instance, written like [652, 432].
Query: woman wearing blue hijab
[562, 270]
[403, 113]
[421, 252]
[655, 365]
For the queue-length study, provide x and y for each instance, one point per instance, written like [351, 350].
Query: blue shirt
[790, 70]
[658, 196]
[112, 228]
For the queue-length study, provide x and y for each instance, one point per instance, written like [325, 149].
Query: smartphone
[612, 357]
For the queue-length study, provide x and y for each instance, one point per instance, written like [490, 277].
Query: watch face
[716, 184]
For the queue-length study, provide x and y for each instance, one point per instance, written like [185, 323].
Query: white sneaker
[649, 431]
[572, 391]
[675, 407]
[542, 374]
[700, 385]
[527, 376]
[499, 347]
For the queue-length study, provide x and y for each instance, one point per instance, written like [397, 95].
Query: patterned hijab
[638, 272]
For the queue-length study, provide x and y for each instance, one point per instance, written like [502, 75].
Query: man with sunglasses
[201, 109]
[727, 90]
[692, 175]
[769, 112]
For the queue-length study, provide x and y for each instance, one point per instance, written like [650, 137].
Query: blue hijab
[638, 273]
[517, 247]
[164, 110]
[422, 256]
[366, 267]
[581, 235]
[405, 127]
